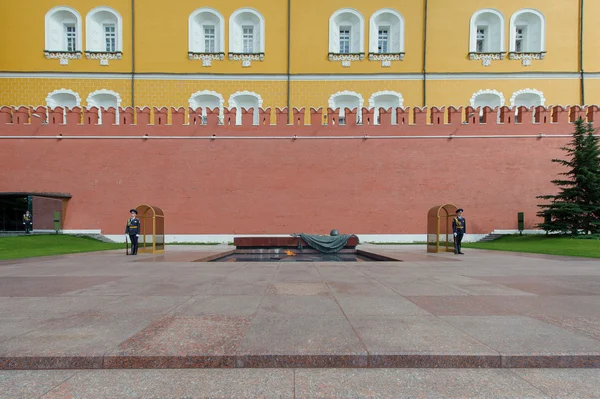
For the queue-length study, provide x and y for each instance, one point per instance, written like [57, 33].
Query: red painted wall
[279, 186]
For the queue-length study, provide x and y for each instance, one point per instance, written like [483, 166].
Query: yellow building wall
[163, 33]
[316, 93]
[25, 91]
[162, 46]
[22, 24]
[449, 26]
[310, 36]
[153, 93]
[458, 92]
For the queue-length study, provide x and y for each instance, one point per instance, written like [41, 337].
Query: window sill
[63, 56]
[526, 57]
[486, 58]
[386, 58]
[246, 58]
[346, 58]
[104, 56]
[206, 58]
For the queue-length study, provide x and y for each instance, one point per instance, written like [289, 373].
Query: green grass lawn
[50, 244]
[543, 244]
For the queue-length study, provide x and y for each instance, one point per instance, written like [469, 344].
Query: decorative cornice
[104, 56]
[486, 58]
[346, 58]
[63, 56]
[335, 77]
[206, 58]
[246, 58]
[386, 59]
[526, 57]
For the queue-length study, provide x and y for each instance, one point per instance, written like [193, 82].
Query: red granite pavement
[482, 310]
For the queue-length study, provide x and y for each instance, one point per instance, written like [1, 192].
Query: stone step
[88, 361]
[490, 237]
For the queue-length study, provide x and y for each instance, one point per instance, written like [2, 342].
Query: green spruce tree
[576, 208]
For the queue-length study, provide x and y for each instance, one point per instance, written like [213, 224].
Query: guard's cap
[459, 210]
[133, 210]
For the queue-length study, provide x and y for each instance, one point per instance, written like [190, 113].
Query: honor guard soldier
[459, 228]
[133, 230]
[27, 221]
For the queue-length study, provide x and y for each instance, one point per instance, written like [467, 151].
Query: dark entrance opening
[48, 211]
[12, 209]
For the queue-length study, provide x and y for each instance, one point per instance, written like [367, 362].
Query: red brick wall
[43, 212]
[268, 186]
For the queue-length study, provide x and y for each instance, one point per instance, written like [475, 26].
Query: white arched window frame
[103, 35]
[386, 36]
[347, 100]
[63, 34]
[246, 100]
[65, 98]
[205, 99]
[487, 98]
[386, 99]
[104, 99]
[206, 36]
[246, 36]
[527, 36]
[527, 98]
[486, 37]
[346, 36]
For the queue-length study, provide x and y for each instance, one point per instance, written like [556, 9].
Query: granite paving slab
[563, 383]
[589, 326]
[76, 341]
[412, 384]
[182, 342]
[422, 287]
[473, 286]
[361, 288]
[30, 384]
[47, 307]
[238, 288]
[297, 288]
[224, 305]
[293, 306]
[301, 341]
[527, 342]
[551, 285]
[420, 341]
[379, 306]
[108, 310]
[470, 305]
[146, 384]
[41, 286]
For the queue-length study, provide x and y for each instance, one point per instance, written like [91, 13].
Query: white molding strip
[517, 232]
[82, 232]
[299, 78]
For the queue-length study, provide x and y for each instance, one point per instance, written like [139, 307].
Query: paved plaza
[487, 324]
